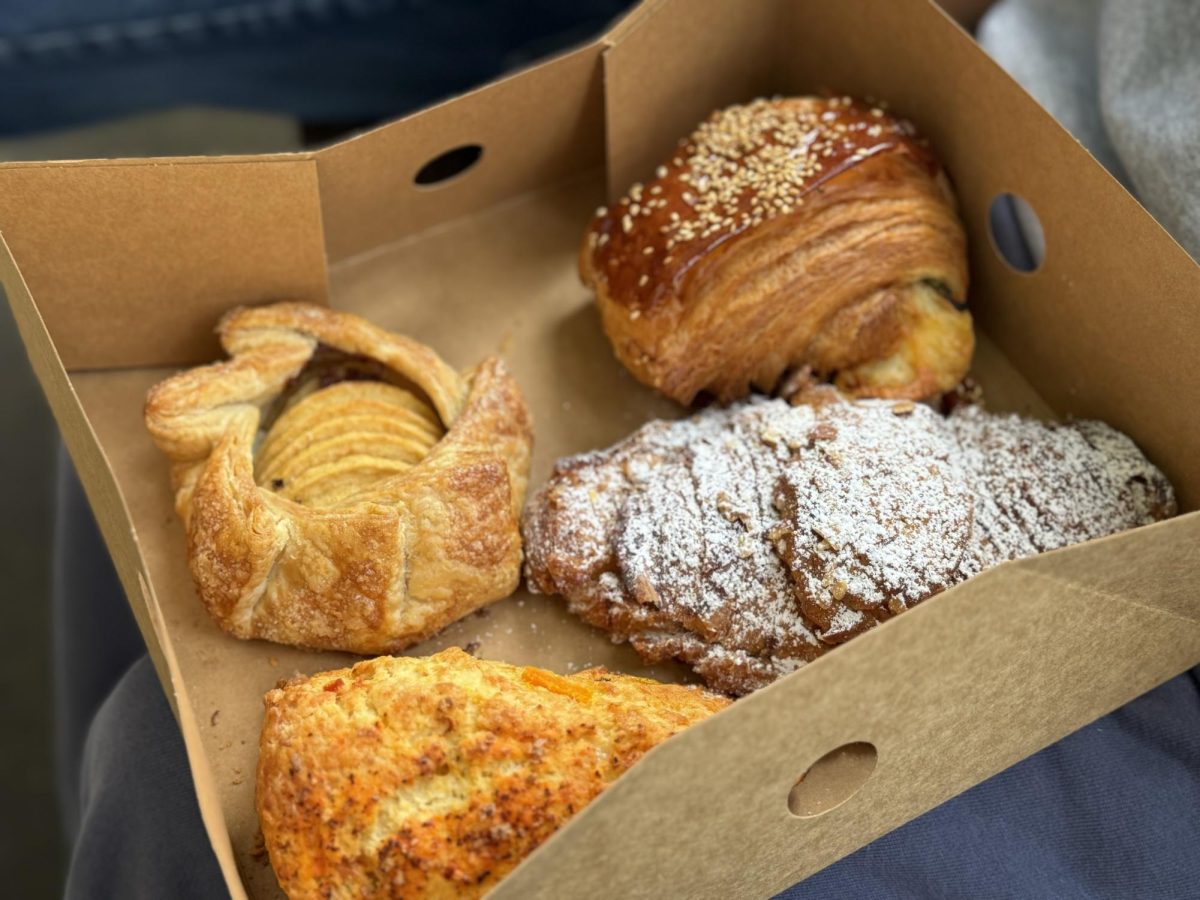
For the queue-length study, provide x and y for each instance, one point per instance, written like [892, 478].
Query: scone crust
[374, 576]
[783, 234]
[433, 777]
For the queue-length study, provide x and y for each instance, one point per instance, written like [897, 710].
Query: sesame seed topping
[744, 166]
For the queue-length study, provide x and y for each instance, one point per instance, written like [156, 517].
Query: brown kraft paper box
[118, 270]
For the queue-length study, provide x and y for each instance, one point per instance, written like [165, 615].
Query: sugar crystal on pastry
[786, 233]
[746, 541]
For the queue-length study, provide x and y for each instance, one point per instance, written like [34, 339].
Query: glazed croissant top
[784, 234]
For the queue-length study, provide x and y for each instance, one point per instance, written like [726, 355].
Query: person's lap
[1111, 811]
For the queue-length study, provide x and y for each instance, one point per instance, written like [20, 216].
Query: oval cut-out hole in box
[448, 165]
[1016, 232]
[832, 780]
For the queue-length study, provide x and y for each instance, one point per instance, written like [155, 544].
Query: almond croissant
[747, 541]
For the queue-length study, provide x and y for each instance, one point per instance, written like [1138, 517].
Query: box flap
[671, 64]
[948, 694]
[207, 796]
[95, 471]
[131, 262]
[531, 129]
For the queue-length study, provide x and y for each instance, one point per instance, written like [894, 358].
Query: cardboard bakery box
[118, 270]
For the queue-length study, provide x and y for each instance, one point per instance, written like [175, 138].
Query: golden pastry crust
[435, 776]
[391, 565]
[784, 234]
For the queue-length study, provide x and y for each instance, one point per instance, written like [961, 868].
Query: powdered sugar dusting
[747, 540]
[876, 515]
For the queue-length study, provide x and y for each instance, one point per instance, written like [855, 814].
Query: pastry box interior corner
[117, 271]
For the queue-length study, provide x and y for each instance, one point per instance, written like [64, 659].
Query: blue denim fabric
[64, 63]
[1109, 813]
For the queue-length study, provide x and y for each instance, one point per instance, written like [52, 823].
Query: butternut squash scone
[434, 776]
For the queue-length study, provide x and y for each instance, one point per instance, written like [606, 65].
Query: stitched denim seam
[155, 34]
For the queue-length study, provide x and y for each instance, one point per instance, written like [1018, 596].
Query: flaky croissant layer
[784, 234]
[370, 526]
